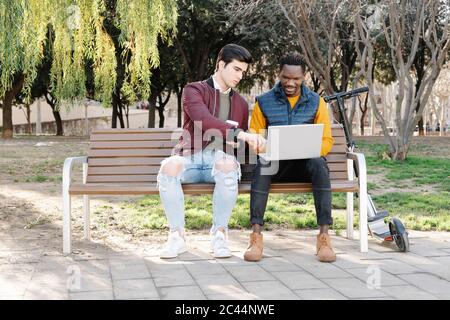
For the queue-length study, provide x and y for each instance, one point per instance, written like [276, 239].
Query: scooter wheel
[399, 234]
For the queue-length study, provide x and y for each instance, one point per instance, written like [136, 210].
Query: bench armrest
[360, 169]
[67, 170]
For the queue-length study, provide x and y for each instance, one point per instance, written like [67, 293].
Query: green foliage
[141, 23]
[21, 37]
[79, 38]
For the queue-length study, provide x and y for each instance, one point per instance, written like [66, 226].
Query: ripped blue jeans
[201, 167]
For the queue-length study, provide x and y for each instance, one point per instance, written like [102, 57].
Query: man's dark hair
[293, 59]
[232, 52]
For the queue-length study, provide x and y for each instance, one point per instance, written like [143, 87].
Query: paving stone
[429, 250]
[278, 264]
[234, 261]
[219, 284]
[386, 279]
[408, 293]
[182, 293]
[179, 277]
[205, 268]
[132, 271]
[249, 273]
[349, 261]
[270, 290]
[354, 288]
[299, 280]
[92, 295]
[93, 266]
[396, 267]
[134, 289]
[19, 257]
[232, 296]
[14, 278]
[429, 283]
[320, 294]
[323, 270]
[92, 282]
[155, 264]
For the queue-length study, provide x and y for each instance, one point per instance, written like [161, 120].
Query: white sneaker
[175, 245]
[219, 245]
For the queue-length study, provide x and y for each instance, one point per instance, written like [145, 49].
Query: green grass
[294, 211]
[418, 211]
[421, 171]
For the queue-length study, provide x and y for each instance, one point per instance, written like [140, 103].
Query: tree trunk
[117, 111]
[400, 154]
[179, 107]
[120, 114]
[27, 107]
[363, 114]
[56, 114]
[161, 117]
[127, 112]
[110, 26]
[7, 106]
[58, 121]
[152, 108]
[114, 115]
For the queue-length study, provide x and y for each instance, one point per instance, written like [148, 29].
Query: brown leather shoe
[255, 247]
[324, 251]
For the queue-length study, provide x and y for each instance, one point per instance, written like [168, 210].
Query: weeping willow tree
[81, 41]
[22, 34]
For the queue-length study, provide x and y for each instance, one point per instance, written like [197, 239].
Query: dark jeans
[306, 170]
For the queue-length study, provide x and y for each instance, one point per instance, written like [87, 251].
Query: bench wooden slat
[132, 144]
[123, 170]
[154, 169]
[143, 189]
[122, 178]
[339, 140]
[136, 130]
[337, 133]
[135, 136]
[340, 157]
[125, 161]
[129, 153]
[109, 178]
[338, 166]
[338, 148]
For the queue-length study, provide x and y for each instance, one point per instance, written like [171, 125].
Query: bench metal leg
[363, 228]
[350, 206]
[86, 208]
[66, 223]
[86, 218]
[67, 228]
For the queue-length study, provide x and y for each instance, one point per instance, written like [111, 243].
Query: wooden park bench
[127, 161]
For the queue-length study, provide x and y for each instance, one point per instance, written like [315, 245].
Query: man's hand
[255, 141]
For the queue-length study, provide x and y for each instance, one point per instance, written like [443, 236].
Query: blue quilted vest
[277, 110]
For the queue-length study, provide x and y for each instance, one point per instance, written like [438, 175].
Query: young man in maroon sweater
[215, 116]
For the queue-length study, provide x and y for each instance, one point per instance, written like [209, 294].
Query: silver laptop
[302, 141]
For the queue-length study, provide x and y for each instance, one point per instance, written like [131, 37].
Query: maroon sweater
[201, 104]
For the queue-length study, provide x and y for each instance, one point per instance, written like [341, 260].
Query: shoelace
[323, 242]
[252, 242]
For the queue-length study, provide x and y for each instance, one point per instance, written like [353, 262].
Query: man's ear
[220, 65]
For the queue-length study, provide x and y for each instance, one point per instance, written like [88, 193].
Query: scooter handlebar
[345, 95]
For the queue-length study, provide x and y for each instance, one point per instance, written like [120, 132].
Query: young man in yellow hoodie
[290, 102]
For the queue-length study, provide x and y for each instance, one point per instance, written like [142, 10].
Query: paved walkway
[32, 268]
